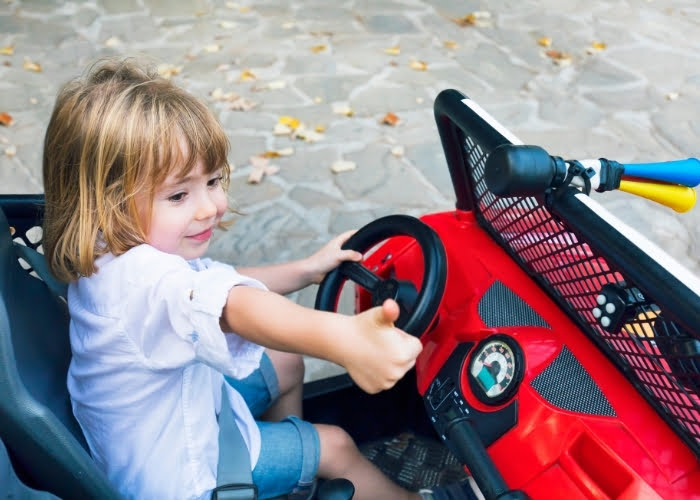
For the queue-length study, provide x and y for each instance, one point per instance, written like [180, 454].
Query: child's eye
[214, 181]
[177, 197]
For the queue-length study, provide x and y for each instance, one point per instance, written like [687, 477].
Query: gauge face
[496, 369]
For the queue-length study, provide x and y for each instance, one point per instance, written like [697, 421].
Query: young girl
[135, 174]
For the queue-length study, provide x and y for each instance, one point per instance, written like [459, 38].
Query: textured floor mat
[414, 462]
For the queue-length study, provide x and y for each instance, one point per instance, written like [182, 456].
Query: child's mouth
[203, 236]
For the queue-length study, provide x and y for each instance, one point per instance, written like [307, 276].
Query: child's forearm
[282, 278]
[274, 321]
[375, 353]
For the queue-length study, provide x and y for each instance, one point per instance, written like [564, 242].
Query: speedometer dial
[495, 369]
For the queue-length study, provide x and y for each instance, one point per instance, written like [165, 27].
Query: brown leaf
[5, 119]
[450, 44]
[560, 58]
[390, 119]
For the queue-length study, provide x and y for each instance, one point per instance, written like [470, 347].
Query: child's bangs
[195, 135]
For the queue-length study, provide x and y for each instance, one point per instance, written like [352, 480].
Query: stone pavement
[626, 86]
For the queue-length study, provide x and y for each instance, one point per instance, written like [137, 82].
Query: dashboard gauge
[496, 369]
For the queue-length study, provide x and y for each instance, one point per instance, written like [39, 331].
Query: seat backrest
[44, 441]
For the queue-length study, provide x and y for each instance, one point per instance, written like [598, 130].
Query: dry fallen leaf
[480, 19]
[545, 41]
[247, 76]
[241, 104]
[390, 119]
[113, 41]
[672, 96]
[320, 129]
[559, 58]
[227, 24]
[318, 48]
[6, 119]
[450, 44]
[275, 85]
[214, 47]
[596, 47]
[261, 168]
[397, 151]
[418, 65]
[340, 108]
[343, 166]
[8, 50]
[167, 71]
[289, 121]
[307, 135]
[11, 151]
[32, 66]
[277, 153]
[394, 51]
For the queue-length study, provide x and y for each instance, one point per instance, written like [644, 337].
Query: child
[135, 173]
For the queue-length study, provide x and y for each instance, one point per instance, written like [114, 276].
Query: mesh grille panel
[500, 306]
[566, 384]
[654, 353]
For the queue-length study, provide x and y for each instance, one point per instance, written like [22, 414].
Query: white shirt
[146, 373]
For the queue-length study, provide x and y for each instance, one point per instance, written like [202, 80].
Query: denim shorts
[290, 449]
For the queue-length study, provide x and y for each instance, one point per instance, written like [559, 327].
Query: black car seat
[43, 440]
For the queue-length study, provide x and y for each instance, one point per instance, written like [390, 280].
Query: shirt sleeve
[181, 305]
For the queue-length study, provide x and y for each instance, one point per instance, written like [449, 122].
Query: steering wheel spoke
[359, 274]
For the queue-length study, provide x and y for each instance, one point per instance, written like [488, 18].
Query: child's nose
[206, 208]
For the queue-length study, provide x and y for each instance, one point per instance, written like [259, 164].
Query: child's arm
[375, 353]
[291, 276]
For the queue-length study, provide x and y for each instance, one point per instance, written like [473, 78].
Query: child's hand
[383, 353]
[330, 256]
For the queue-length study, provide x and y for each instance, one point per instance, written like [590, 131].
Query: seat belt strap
[234, 478]
[38, 263]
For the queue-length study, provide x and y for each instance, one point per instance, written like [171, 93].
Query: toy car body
[520, 378]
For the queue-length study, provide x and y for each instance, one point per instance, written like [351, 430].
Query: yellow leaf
[8, 50]
[320, 129]
[450, 44]
[393, 51]
[32, 66]
[318, 48]
[247, 75]
[599, 45]
[289, 121]
[419, 65]
[545, 41]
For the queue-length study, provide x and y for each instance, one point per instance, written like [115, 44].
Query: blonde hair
[119, 130]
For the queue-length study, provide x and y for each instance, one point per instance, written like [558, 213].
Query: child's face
[184, 212]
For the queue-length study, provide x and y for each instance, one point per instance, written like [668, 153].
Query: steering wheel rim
[434, 269]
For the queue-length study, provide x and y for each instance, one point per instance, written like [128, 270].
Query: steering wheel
[417, 307]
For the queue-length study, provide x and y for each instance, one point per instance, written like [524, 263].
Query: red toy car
[561, 349]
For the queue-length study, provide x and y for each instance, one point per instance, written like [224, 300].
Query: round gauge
[496, 369]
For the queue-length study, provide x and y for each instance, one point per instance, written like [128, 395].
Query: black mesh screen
[653, 352]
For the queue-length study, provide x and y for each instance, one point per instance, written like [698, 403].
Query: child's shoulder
[142, 263]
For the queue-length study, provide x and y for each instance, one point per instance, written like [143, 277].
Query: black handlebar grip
[512, 170]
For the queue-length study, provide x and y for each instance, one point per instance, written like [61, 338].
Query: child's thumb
[388, 313]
